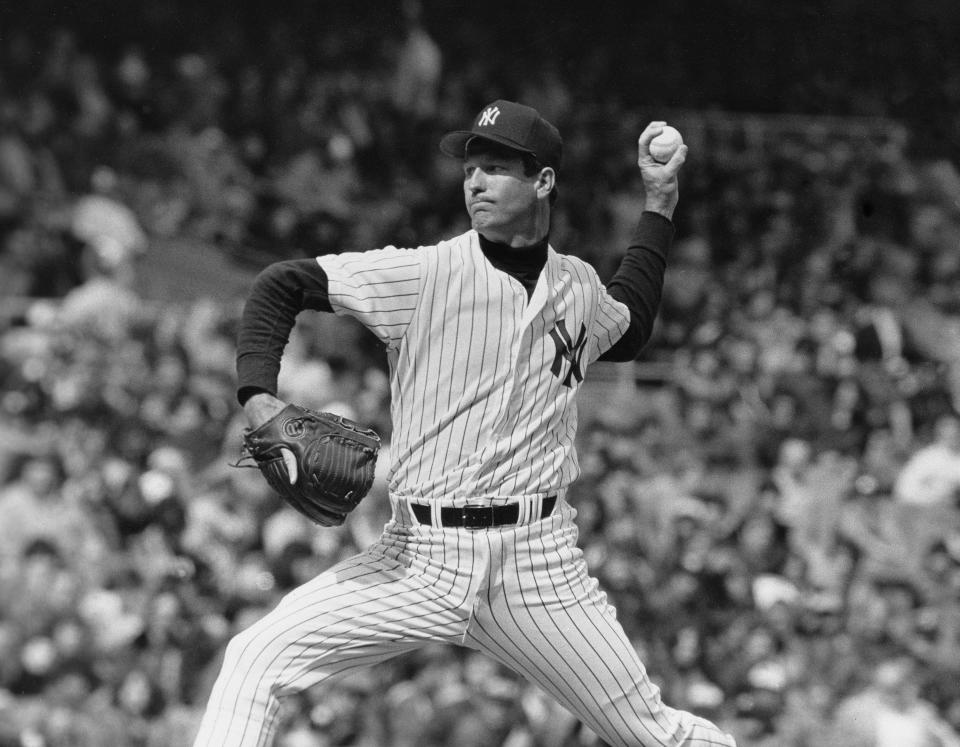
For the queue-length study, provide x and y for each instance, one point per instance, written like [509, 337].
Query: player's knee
[678, 728]
[233, 654]
[650, 722]
[244, 649]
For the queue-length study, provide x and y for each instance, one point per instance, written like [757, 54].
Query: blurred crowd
[771, 496]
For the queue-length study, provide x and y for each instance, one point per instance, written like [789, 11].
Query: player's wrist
[261, 407]
[664, 209]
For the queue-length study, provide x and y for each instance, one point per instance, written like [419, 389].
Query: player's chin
[482, 218]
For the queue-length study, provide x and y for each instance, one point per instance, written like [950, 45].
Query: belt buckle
[476, 516]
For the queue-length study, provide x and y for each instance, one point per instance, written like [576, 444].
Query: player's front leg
[365, 610]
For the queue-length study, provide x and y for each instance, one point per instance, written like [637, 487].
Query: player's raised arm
[638, 281]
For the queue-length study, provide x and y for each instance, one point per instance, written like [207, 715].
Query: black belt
[479, 517]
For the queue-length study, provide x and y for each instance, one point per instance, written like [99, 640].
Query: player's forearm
[638, 283]
[278, 294]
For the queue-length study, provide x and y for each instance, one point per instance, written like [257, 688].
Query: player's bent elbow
[627, 348]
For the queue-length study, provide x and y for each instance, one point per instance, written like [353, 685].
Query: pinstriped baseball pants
[520, 594]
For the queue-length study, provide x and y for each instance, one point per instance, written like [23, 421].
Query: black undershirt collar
[523, 263]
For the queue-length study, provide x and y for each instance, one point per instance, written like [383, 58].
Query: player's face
[500, 198]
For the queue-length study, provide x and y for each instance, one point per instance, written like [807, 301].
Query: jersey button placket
[518, 328]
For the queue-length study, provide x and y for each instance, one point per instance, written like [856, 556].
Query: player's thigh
[577, 652]
[363, 610]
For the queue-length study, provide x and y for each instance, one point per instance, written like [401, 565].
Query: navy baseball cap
[511, 124]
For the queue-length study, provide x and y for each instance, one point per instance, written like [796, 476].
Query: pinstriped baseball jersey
[483, 379]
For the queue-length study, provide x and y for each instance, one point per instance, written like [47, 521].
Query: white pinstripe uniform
[483, 385]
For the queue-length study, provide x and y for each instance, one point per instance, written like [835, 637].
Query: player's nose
[476, 182]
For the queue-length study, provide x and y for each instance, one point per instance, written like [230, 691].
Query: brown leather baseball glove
[335, 458]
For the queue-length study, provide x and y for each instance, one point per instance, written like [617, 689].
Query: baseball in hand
[664, 145]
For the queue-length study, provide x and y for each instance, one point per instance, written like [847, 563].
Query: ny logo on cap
[489, 116]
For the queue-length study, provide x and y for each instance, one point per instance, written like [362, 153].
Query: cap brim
[454, 144]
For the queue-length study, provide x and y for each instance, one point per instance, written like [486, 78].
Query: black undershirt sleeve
[638, 283]
[279, 293]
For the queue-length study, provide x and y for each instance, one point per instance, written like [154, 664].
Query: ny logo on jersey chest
[568, 350]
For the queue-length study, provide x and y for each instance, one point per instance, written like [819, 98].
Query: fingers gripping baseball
[649, 133]
[660, 182]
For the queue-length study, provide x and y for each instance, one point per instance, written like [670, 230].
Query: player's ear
[546, 180]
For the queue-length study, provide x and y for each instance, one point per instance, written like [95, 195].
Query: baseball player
[488, 336]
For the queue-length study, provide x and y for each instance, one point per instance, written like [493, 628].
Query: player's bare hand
[660, 183]
[259, 409]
